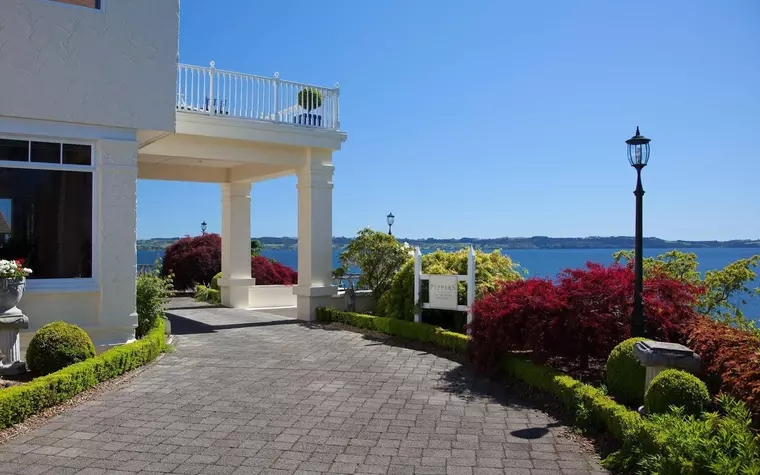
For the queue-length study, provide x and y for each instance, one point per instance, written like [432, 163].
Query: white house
[92, 97]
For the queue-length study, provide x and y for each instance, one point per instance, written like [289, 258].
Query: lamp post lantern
[203, 227]
[638, 156]
[389, 219]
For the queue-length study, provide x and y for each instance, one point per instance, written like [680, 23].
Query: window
[46, 207]
[82, 3]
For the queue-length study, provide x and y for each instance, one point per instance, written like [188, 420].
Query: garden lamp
[638, 156]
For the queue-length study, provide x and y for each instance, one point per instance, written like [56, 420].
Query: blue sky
[501, 118]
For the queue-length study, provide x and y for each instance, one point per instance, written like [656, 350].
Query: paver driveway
[248, 392]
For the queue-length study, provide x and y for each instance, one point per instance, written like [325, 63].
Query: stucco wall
[114, 67]
[266, 296]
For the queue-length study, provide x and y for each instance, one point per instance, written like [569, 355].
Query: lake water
[548, 262]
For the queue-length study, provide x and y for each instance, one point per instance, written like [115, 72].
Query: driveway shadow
[467, 383]
[188, 326]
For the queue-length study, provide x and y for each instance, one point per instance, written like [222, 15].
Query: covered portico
[238, 153]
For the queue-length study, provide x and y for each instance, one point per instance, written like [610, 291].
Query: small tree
[309, 98]
[256, 247]
[193, 260]
[378, 256]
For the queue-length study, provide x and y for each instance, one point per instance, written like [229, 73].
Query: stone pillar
[315, 186]
[116, 221]
[10, 343]
[657, 356]
[236, 244]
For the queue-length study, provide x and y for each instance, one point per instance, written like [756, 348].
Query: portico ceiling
[196, 162]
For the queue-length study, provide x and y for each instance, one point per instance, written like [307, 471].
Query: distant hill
[535, 242]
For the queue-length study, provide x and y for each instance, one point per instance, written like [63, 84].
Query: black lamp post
[203, 227]
[390, 218]
[638, 156]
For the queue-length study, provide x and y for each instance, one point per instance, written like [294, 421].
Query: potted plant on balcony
[309, 98]
[13, 276]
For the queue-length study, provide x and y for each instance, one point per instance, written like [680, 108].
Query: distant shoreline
[530, 243]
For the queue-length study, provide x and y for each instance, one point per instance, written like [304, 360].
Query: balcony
[211, 91]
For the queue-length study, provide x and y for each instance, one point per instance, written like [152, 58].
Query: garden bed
[21, 401]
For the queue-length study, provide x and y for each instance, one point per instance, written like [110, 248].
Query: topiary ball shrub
[56, 346]
[674, 387]
[215, 281]
[625, 375]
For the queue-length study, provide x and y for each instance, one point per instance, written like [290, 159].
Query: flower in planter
[13, 269]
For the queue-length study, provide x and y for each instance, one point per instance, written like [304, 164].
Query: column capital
[315, 176]
[235, 190]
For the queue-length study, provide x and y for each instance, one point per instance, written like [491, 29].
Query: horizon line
[496, 238]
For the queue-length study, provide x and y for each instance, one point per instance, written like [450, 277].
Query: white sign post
[444, 288]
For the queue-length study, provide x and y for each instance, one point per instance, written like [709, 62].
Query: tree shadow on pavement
[467, 383]
[188, 326]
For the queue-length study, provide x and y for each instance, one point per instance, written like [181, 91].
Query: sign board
[444, 290]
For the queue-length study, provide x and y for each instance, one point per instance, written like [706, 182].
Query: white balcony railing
[213, 91]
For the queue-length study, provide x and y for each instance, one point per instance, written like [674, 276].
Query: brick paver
[254, 393]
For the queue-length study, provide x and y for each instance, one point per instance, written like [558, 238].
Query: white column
[315, 186]
[417, 284]
[236, 244]
[116, 239]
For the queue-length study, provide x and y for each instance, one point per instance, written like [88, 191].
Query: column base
[235, 292]
[308, 299]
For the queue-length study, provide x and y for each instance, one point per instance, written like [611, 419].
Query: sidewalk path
[250, 392]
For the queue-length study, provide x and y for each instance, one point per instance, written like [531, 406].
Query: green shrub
[398, 301]
[409, 330]
[673, 387]
[17, 403]
[56, 346]
[152, 295]
[378, 256]
[625, 375]
[208, 294]
[215, 280]
[712, 443]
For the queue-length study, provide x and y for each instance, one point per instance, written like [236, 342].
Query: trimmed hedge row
[413, 331]
[17, 403]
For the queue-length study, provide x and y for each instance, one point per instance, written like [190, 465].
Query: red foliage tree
[584, 314]
[730, 359]
[270, 272]
[193, 260]
[512, 318]
[196, 260]
[598, 311]
[599, 307]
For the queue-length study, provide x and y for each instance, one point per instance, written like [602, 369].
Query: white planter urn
[11, 291]
[11, 322]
